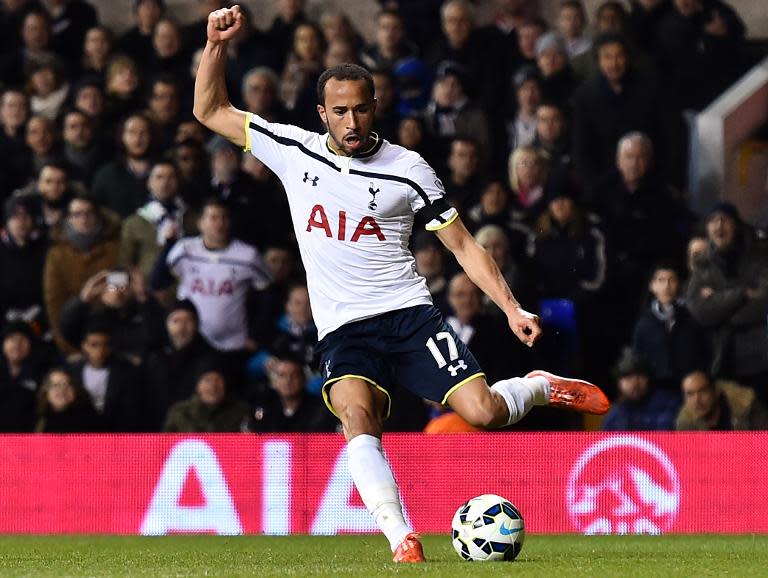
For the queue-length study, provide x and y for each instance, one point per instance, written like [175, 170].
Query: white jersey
[353, 218]
[217, 282]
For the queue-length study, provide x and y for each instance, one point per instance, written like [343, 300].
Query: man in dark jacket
[728, 294]
[640, 407]
[172, 371]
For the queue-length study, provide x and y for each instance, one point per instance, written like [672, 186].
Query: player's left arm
[484, 272]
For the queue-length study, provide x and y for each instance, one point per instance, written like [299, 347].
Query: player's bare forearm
[211, 105]
[484, 273]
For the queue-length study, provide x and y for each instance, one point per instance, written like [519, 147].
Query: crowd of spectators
[149, 274]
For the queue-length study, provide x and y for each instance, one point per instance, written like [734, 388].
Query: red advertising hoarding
[233, 484]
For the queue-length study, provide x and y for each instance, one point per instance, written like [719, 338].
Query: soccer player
[353, 197]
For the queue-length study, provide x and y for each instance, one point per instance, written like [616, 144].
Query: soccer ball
[488, 528]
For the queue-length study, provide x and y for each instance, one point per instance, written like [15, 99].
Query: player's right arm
[212, 106]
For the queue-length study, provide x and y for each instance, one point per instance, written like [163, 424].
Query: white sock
[377, 487]
[521, 394]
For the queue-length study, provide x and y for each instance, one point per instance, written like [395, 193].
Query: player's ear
[321, 112]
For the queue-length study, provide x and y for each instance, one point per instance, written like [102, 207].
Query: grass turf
[188, 556]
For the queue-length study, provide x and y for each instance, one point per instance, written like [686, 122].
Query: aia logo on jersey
[623, 485]
[212, 288]
[319, 220]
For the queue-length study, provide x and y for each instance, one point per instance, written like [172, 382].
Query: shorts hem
[461, 383]
[327, 399]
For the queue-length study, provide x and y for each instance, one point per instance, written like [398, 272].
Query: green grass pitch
[363, 556]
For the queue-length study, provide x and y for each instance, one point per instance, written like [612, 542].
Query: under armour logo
[313, 180]
[454, 369]
[372, 205]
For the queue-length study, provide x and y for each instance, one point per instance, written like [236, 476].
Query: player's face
[348, 115]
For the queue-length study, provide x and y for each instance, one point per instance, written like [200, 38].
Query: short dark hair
[344, 71]
[610, 38]
[214, 202]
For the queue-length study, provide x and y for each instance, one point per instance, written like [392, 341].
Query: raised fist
[224, 24]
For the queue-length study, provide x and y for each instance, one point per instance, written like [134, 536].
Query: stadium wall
[246, 484]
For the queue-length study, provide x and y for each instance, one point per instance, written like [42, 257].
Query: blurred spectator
[64, 406]
[172, 371]
[390, 45]
[528, 34]
[486, 336]
[163, 110]
[644, 19]
[250, 48]
[48, 90]
[338, 26]
[446, 420]
[552, 138]
[12, 14]
[568, 250]
[165, 218]
[292, 410]
[527, 177]
[462, 187]
[50, 194]
[699, 44]
[719, 406]
[114, 384]
[610, 18]
[69, 21]
[290, 15]
[119, 303]
[571, 25]
[35, 48]
[387, 119]
[450, 114]
[121, 184]
[268, 304]
[14, 111]
[506, 246]
[728, 294]
[194, 33]
[298, 81]
[557, 81]
[493, 208]
[41, 139]
[168, 56]
[82, 150]
[85, 243]
[412, 134]
[19, 378]
[614, 102]
[209, 410]
[461, 42]
[414, 86]
[338, 52]
[294, 335]
[215, 272]
[646, 223]
[191, 162]
[666, 334]
[137, 41]
[429, 255]
[121, 88]
[640, 406]
[97, 49]
[521, 128]
[260, 87]
[88, 98]
[22, 257]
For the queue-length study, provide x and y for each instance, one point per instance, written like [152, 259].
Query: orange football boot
[574, 394]
[409, 550]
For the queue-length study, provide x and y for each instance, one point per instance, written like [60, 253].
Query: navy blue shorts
[412, 347]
